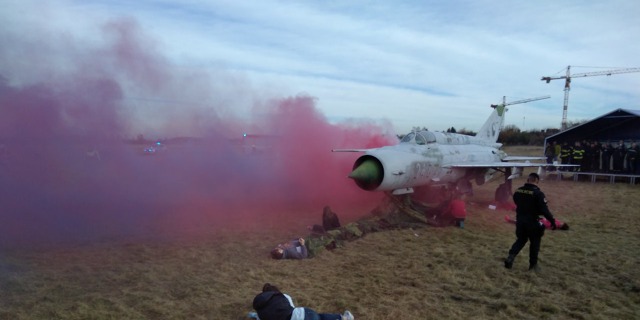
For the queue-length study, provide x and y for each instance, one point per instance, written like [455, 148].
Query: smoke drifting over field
[69, 169]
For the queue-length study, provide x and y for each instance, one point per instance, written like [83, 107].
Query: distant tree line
[512, 135]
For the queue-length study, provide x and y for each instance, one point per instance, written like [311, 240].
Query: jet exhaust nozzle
[367, 173]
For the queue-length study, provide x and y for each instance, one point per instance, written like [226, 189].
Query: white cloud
[448, 59]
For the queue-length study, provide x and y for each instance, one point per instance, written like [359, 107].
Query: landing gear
[413, 206]
[504, 191]
[406, 205]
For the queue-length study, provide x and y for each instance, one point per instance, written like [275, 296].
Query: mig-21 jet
[427, 158]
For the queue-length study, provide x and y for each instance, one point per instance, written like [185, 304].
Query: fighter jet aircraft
[427, 158]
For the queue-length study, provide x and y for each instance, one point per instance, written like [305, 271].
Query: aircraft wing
[506, 165]
[351, 150]
[517, 166]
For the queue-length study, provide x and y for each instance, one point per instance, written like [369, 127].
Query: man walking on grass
[531, 203]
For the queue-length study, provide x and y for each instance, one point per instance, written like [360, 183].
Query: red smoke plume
[69, 171]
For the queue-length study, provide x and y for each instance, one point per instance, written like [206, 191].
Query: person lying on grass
[271, 304]
[294, 249]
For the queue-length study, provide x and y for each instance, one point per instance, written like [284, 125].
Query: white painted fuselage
[432, 158]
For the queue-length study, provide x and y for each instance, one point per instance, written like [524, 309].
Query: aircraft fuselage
[425, 159]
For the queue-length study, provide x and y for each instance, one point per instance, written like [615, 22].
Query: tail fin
[491, 128]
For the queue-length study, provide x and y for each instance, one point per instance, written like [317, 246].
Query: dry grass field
[588, 272]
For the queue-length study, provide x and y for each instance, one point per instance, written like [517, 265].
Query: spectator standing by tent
[632, 158]
[595, 157]
[565, 153]
[605, 157]
[577, 154]
[618, 156]
[587, 165]
[549, 152]
[637, 162]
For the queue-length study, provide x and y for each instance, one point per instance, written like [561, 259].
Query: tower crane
[567, 85]
[505, 103]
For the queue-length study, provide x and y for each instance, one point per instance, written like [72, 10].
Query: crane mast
[567, 85]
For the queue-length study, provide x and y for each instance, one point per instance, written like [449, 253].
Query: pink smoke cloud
[67, 171]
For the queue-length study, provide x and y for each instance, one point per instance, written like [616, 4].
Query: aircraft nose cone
[368, 174]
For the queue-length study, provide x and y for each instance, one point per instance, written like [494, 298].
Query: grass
[588, 272]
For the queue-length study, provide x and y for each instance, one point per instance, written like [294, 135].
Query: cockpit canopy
[428, 137]
[421, 137]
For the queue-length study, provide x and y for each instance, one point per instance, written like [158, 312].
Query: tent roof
[620, 124]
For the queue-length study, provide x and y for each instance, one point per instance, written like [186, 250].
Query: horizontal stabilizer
[522, 158]
[350, 150]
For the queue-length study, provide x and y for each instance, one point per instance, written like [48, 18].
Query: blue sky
[412, 63]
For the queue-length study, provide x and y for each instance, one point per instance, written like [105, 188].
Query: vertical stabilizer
[491, 128]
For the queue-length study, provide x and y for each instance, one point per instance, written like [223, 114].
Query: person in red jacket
[451, 212]
[458, 210]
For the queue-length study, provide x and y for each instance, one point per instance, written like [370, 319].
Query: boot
[508, 262]
[535, 268]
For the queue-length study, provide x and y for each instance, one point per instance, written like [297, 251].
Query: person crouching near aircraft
[530, 203]
[294, 249]
[271, 304]
[458, 210]
[449, 212]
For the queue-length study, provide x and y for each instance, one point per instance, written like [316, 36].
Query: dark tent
[620, 124]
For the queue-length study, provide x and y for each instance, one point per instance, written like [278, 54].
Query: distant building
[620, 124]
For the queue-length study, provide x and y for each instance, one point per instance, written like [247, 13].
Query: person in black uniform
[531, 203]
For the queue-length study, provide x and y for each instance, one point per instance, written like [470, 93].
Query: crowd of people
[271, 304]
[331, 234]
[596, 156]
[530, 204]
